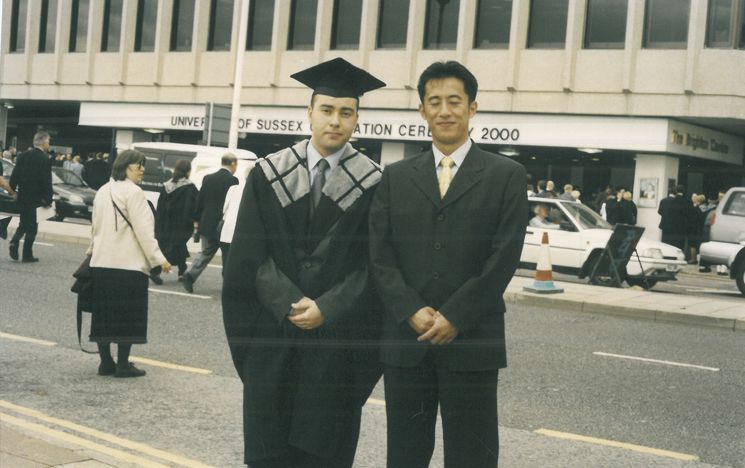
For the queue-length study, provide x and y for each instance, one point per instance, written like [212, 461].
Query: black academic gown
[302, 387]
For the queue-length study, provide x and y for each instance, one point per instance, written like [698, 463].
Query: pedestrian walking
[5, 220]
[175, 216]
[123, 250]
[32, 179]
[300, 316]
[208, 212]
[626, 209]
[695, 220]
[447, 229]
[76, 166]
[567, 195]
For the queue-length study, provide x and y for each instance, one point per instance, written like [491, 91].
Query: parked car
[577, 237]
[72, 196]
[727, 237]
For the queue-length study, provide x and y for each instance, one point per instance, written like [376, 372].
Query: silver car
[727, 239]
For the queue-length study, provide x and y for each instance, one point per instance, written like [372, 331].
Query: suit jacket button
[440, 217]
[438, 246]
[436, 276]
[307, 265]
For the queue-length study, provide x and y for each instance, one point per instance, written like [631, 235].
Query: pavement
[24, 445]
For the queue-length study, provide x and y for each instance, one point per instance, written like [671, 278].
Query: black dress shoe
[129, 370]
[107, 368]
[13, 248]
[30, 259]
[188, 283]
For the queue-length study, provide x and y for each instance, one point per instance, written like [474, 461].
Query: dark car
[72, 197]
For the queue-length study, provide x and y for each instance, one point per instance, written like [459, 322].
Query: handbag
[83, 287]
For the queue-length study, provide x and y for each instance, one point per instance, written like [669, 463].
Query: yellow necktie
[446, 175]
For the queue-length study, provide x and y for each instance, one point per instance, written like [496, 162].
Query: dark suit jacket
[32, 178]
[211, 200]
[673, 213]
[456, 255]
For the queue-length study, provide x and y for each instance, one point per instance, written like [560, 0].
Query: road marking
[375, 401]
[176, 293]
[166, 365]
[656, 361]
[713, 291]
[27, 339]
[613, 443]
[128, 444]
[87, 444]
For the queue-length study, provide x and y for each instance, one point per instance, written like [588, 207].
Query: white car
[577, 237]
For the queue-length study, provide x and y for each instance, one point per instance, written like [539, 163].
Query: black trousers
[27, 227]
[468, 407]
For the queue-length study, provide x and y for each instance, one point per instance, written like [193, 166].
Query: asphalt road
[564, 376]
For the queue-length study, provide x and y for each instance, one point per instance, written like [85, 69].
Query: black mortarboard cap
[338, 78]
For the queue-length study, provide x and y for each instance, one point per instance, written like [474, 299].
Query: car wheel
[649, 284]
[740, 275]
[602, 279]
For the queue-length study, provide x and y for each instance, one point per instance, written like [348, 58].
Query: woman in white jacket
[124, 250]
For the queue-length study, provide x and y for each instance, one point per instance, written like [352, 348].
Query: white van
[162, 158]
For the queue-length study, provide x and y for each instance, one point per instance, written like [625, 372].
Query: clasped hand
[305, 314]
[432, 326]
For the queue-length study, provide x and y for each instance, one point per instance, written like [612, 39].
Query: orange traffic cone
[544, 280]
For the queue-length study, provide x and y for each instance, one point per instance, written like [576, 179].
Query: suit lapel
[424, 176]
[467, 176]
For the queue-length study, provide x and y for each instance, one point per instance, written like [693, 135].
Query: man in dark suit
[674, 211]
[32, 179]
[209, 213]
[447, 228]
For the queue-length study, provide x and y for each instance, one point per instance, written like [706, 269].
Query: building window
[147, 21]
[493, 19]
[79, 25]
[302, 25]
[47, 25]
[666, 24]
[112, 26]
[605, 26]
[345, 30]
[19, 10]
[441, 25]
[182, 25]
[221, 25]
[548, 24]
[260, 25]
[725, 26]
[393, 21]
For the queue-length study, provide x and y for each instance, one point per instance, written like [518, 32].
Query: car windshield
[586, 218]
[63, 176]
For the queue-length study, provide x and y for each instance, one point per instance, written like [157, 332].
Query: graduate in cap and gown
[301, 318]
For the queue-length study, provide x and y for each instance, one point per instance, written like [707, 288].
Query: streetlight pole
[240, 52]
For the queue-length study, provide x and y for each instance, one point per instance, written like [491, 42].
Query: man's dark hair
[541, 185]
[183, 167]
[449, 69]
[228, 159]
[125, 158]
[680, 188]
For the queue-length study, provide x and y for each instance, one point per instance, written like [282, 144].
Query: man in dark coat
[209, 213]
[32, 179]
[299, 314]
[674, 211]
[441, 260]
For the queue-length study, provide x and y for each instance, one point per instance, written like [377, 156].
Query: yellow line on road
[613, 443]
[27, 339]
[136, 446]
[166, 365]
[87, 444]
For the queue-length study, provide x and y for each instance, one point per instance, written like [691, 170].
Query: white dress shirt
[458, 157]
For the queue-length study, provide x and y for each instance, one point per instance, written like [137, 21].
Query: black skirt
[119, 306]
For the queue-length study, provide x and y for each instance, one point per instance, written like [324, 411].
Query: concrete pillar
[3, 127]
[652, 175]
